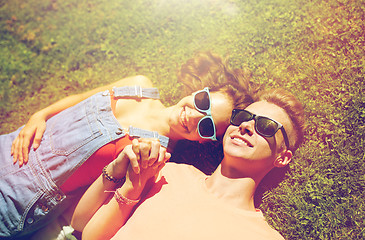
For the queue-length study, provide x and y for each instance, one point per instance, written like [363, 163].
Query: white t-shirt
[179, 206]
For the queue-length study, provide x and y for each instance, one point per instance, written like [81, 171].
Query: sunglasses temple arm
[286, 140]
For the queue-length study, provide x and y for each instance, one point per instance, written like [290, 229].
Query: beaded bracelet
[111, 178]
[123, 200]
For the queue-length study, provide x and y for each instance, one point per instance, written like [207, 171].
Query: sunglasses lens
[202, 101]
[240, 116]
[206, 127]
[266, 126]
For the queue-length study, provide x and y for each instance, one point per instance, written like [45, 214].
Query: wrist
[116, 169]
[43, 114]
[109, 175]
[124, 198]
[130, 191]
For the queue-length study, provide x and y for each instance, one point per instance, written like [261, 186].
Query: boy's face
[246, 150]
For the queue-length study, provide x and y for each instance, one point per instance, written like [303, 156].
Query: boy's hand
[142, 154]
[151, 157]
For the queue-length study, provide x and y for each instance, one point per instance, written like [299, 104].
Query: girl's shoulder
[141, 80]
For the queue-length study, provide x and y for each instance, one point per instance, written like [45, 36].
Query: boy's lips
[239, 139]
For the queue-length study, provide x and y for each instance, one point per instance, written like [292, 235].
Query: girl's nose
[196, 116]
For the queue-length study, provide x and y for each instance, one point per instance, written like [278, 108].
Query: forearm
[112, 216]
[104, 216]
[61, 105]
[91, 201]
[98, 193]
[74, 99]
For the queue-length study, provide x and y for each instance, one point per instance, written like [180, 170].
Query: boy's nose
[247, 127]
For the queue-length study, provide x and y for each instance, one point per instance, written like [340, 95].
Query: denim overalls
[30, 195]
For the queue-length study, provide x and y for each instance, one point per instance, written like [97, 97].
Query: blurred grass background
[50, 49]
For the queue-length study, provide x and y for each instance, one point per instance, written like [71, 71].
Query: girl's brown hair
[207, 69]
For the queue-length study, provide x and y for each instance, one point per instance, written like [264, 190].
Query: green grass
[51, 49]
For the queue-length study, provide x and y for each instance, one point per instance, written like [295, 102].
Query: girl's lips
[183, 119]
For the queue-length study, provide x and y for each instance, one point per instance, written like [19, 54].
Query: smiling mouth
[183, 119]
[241, 141]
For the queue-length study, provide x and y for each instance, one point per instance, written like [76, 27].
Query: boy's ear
[283, 159]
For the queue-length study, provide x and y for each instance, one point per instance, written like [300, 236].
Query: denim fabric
[136, 91]
[30, 195]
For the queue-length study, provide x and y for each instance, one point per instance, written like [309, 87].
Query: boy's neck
[238, 192]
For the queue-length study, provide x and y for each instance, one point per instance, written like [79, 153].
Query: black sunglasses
[264, 126]
[206, 127]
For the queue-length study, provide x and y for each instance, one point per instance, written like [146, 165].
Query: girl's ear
[283, 159]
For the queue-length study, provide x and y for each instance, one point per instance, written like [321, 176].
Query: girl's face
[185, 116]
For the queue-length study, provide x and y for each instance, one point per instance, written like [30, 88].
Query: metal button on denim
[58, 197]
[44, 208]
[30, 220]
[105, 93]
[119, 131]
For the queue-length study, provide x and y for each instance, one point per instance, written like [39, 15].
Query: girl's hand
[152, 158]
[149, 152]
[141, 154]
[32, 132]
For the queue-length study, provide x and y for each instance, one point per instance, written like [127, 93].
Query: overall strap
[139, 92]
[138, 132]
[136, 91]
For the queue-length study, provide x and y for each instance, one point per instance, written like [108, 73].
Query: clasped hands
[140, 162]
